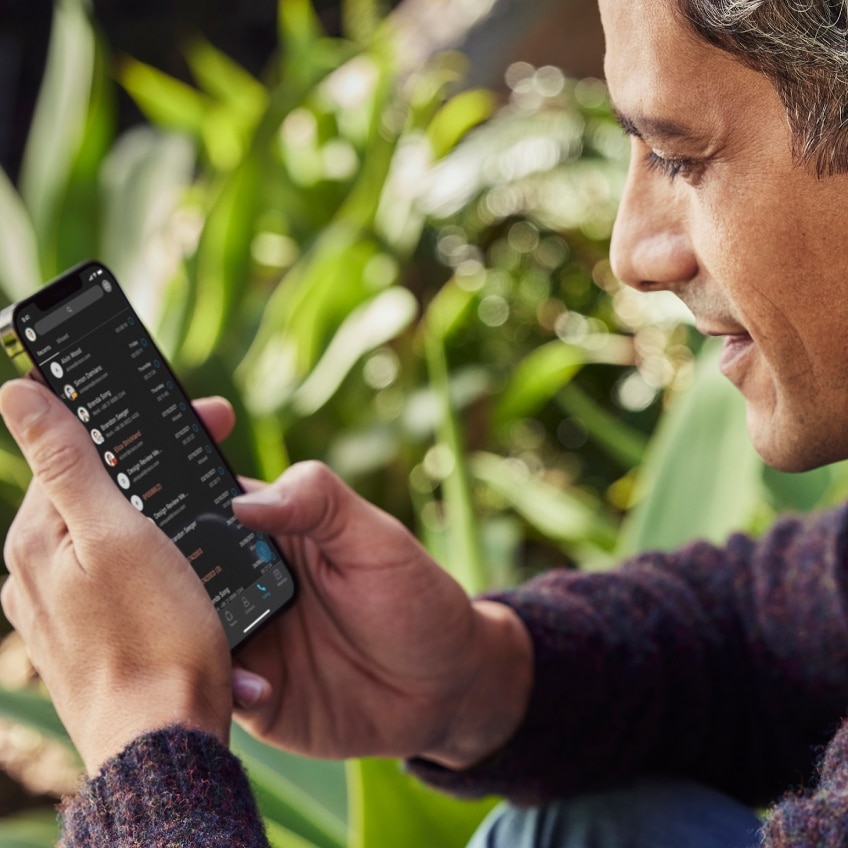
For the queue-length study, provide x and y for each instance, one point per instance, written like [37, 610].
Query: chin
[794, 453]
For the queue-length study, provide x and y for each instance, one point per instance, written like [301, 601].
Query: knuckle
[55, 460]
[325, 494]
[21, 540]
[314, 474]
[7, 600]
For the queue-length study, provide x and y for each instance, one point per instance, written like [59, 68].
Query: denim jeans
[655, 813]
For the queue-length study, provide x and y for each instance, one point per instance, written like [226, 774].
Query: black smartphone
[80, 336]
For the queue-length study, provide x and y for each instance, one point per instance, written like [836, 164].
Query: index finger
[60, 452]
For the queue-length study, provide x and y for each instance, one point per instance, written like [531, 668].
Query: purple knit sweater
[726, 665]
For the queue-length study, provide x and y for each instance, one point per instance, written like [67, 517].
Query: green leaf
[299, 25]
[701, 477]
[60, 118]
[307, 797]
[164, 100]
[33, 710]
[223, 260]
[302, 45]
[14, 470]
[448, 310]
[391, 809]
[282, 837]
[463, 545]
[367, 327]
[32, 830]
[803, 492]
[20, 272]
[575, 521]
[459, 115]
[537, 378]
[226, 81]
[315, 294]
[361, 19]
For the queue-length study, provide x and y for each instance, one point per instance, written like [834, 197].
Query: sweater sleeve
[174, 787]
[726, 665]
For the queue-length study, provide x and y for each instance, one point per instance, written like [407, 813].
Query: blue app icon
[264, 552]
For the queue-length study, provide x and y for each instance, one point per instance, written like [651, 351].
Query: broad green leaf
[240, 101]
[20, 272]
[282, 837]
[366, 328]
[299, 25]
[60, 118]
[33, 710]
[457, 117]
[448, 310]
[38, 829]
[223, 260]
[307, 797]
[303, 47]
[803, 492]
[391, 809]
[315, 294]
[164, 100]
[537, 378]
[701, 477]
[225, 80]
[575, 521]
[271, 450]
[838, 491]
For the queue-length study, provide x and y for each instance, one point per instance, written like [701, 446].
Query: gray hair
[802, 46]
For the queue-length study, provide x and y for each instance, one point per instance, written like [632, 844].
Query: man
[648, 706]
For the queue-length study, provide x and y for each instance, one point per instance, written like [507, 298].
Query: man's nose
[651, 245]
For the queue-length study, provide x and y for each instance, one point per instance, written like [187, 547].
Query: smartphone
[81, 337]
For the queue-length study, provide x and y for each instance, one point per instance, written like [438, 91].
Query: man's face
[716, 210]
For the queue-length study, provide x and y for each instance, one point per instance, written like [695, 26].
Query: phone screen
[93, 351]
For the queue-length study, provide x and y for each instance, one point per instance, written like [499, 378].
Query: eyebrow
[655, 128]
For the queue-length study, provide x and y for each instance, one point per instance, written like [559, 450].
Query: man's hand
[382, 653]
[116, 622]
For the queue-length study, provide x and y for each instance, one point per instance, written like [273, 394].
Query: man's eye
[670, 168]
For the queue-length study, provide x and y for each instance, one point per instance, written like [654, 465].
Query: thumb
[310, 500]
[57, 449]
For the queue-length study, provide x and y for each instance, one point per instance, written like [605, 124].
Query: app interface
[95, 354]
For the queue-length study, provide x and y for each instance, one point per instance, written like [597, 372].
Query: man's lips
[733, 352]
[737, 344]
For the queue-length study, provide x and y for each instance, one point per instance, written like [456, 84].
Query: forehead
[655, 62]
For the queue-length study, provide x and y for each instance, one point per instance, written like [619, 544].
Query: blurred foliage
[409, 281]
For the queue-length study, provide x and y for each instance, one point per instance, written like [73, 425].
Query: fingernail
[261, 497]
[21, 404]
[248, 688]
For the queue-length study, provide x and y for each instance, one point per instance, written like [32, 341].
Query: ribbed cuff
[174, 787]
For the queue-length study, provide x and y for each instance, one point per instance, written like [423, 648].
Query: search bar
[70, 309]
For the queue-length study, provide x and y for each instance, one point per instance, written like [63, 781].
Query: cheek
[762, 266]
